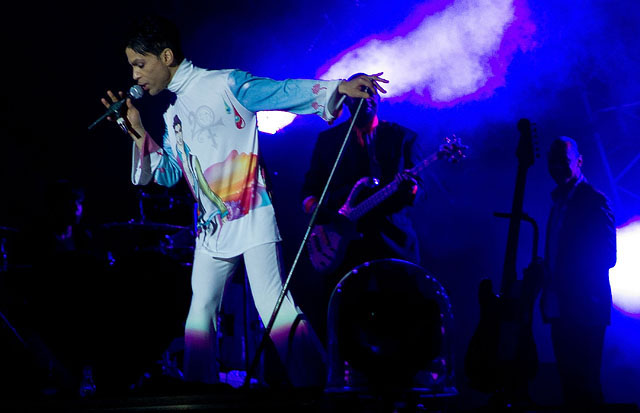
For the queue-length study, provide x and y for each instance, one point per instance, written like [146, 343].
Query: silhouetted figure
[576, 297]
[64, 294]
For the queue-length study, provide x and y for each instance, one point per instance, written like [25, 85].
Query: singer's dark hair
[152, 34]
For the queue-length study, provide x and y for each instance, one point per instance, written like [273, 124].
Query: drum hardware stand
[13, 329]
[285, 287]
[141, 196]
[4, 267]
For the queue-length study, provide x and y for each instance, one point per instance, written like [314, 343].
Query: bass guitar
[502, 356]
[328, 243]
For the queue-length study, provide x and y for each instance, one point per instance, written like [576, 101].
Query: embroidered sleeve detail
[317, 88]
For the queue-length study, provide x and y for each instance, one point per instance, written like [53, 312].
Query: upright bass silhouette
[502, 356]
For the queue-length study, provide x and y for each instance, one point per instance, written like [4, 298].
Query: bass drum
[388, 329]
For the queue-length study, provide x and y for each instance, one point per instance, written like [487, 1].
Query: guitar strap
[374, 166]
[285, 286]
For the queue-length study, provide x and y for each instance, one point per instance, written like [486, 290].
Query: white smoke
[445, 57]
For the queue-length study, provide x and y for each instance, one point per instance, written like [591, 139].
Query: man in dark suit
[576, 297]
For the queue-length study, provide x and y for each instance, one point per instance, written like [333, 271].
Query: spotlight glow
[625, 276]
[272, 121]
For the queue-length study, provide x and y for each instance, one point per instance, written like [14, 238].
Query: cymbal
[152, 226]
[166, 196]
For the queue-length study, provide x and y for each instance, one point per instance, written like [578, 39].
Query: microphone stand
[285, 287]
[115, 108]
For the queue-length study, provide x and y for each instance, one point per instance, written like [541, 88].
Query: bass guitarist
[376, 153]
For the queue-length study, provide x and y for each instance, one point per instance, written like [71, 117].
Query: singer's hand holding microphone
[124, 112]
[363, 86]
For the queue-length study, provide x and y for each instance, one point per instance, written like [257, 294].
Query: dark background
[579, 80]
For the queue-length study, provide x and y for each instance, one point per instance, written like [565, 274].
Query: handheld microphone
[135, 92]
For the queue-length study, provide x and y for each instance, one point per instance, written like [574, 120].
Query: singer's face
[149, 71]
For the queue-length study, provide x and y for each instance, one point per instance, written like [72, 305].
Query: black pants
[578, 351]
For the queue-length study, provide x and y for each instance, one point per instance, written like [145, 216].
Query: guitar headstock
[526, 151]
[452, 149]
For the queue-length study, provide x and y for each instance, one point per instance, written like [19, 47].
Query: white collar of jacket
[183, 76]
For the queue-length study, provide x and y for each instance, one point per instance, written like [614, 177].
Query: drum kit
[389, 325]
[390, 314]
[152, 232]
[152, 251]
[131, 237]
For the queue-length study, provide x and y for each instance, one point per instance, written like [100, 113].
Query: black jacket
[586, 250]
[387, 229]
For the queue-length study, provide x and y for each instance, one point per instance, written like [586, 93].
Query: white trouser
[299, 349]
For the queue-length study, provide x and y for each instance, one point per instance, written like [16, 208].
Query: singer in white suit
[216, 110]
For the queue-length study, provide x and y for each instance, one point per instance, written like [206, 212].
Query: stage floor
[172, 397]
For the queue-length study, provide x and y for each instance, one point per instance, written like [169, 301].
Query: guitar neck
[509, 271]
[384, 193]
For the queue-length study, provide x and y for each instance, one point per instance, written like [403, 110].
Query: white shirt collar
[182, 77]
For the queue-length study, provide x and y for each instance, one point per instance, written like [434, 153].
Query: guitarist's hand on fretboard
[411, 179]
[407, 188]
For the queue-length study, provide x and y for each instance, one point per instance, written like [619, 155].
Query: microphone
[135, 92]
